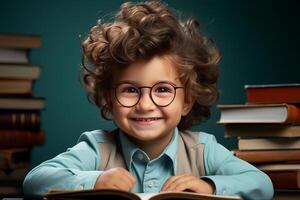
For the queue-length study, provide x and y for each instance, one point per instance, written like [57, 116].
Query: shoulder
[199, 137]
[98, 136]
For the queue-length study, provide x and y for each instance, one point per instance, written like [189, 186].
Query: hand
[115, 178]
[188, 182]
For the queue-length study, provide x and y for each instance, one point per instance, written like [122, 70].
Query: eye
[163, 88]
[129, 89]
[126, 88]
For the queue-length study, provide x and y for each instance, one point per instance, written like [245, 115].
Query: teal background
[259, 41]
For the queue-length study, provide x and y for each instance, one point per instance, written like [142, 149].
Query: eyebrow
[138, 84]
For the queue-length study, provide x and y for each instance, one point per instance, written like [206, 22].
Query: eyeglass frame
[140, 92]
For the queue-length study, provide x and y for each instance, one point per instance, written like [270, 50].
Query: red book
[268, 156]
[20, 139]
[23, 120]
[11, 159]
[273, 93]
[20, 41]
[286, 179]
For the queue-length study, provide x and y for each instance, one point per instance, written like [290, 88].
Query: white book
[19, 71]
[21, 103]
[259, 113]
[13, 55]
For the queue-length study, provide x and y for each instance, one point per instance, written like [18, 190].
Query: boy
[155, 77]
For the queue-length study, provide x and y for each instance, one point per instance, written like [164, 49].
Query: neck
[154, 148]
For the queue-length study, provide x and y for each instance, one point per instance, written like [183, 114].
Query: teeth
[146, 119]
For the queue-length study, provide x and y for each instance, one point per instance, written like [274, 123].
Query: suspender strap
[189, 153]
[110, 152]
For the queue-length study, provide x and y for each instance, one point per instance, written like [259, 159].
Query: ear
[108, 101]
[187, 106]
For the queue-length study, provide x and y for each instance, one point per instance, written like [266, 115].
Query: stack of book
[19, 110]
[268, 131]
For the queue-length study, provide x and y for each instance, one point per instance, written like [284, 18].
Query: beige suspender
[110, 152]
[189, 155]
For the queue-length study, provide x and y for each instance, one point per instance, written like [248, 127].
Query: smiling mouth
[147, 119]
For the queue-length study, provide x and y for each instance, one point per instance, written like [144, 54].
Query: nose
[145, 102]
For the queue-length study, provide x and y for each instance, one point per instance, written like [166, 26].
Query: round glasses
[162, 93]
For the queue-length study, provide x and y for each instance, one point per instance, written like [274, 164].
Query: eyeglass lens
[162, 94]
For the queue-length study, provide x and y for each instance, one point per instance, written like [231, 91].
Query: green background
[259, 41]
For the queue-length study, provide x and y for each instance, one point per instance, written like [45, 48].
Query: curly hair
[140, 32]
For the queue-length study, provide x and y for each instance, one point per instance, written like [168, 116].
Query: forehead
[149, 71]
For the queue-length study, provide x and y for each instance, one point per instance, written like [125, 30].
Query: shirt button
[150, 184]
[140, 156]
[224, 192]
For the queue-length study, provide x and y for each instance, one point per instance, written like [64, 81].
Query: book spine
[293, 114]
[20, 41]
[289, 179]
[16, 175]
[273, 95]
[20, 139]
[268, 144]
[11, 159]
[268, 156]
[20, 120]
[262, 130]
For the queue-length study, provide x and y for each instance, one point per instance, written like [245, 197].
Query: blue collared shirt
[151, 174]
[78, 168]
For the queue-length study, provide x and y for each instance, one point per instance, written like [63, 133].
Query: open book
[114, 194]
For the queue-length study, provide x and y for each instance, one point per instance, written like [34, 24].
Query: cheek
[118, 111]
[173, 112]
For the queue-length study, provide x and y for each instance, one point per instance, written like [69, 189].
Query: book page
[146, 196]
[184, 195]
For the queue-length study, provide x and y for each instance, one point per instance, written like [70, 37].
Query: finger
[122, 185]
[170, 181]
[181, 184]
[116, 177]
[125, 183]
[129, 176]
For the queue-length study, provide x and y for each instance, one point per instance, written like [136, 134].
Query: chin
[144, 137]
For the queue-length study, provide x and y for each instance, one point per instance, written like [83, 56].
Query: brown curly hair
[140, 32]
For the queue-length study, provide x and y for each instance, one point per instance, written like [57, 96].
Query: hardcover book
[262, 130]
[273, 93]
[114, 194]
[20, 41]
[286, 194]
[13, 103]
[22, 120]
[268, 143]
[259, 113]
[285, 179]
[14, 56]
[17, 86]
[278, 167]
[268, 156]
[20, 139]
[13, 176]
[11, 159]
[19, 71]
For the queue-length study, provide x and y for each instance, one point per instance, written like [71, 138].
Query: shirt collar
[129, 149]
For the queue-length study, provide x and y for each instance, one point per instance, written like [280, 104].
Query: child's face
[146, 121]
